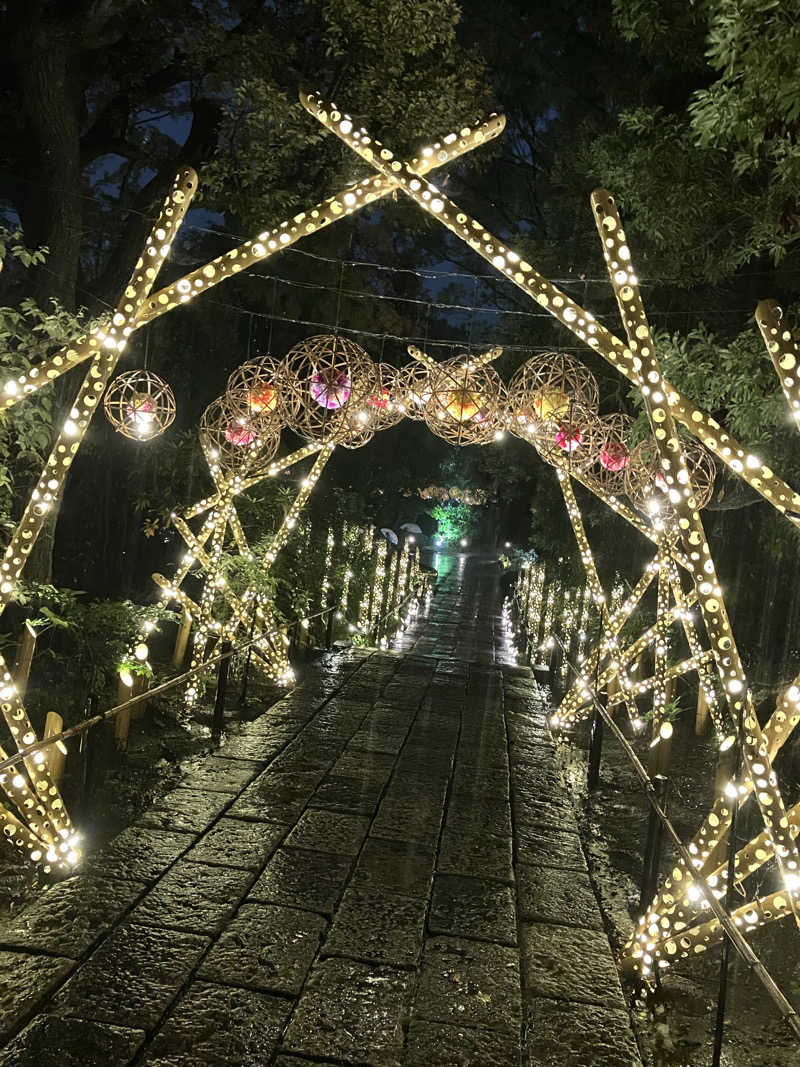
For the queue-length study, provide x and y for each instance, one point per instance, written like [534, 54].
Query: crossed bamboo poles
[206, 548]
[635, 358]
[38, 823]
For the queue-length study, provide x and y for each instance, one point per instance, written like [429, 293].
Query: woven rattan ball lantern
[139, 405]
[385, 404]
[414, 389]
[646, 485]
[257, 384]
[327, 382]
[544, 387]
[614, 453]
[466, 404]
[571, 441]
[237, 443]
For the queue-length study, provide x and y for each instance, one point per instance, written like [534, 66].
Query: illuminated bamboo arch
[675, 923]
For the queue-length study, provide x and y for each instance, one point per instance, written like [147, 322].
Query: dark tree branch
[207, 115]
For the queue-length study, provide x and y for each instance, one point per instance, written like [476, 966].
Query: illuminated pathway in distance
[383, 869]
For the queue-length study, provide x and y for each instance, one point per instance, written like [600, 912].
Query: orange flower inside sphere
[263, 398]
[462, 405]
[551, 404]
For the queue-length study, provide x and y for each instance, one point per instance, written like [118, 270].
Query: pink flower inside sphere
[614, 456]
[240, 434]
[569, 439]
[331, 388]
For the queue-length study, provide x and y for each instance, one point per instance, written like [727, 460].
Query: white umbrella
[390, 535]
[411, 527]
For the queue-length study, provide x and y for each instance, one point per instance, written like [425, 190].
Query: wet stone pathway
[383, 869]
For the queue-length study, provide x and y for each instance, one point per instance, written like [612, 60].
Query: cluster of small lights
[207, 549]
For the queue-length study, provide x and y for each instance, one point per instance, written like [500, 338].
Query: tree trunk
[51, 209]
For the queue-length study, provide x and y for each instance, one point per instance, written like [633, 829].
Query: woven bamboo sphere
[466, 405]
[237, 443]
[414, 389]
[543, 388]
[614, 453]
[572, 441]
[139, 405]
[385, 405]
[258, 383]
[327, 382]
[647, 488]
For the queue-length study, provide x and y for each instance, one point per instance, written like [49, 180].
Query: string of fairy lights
[329, 391]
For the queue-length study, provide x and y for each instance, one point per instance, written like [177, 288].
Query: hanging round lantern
[571, 442]
[466, 402]
[646, 483]
[413, 389]
[256, 385]
[543, 390]
[235, 441]
[385, 405]
[614, 454]
[139, 405]
[328, 382]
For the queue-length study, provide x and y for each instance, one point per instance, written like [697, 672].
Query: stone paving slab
[265, 947]
[25, 981]
[353, 1012]
[195, 897]
[132, 978]
[141, 851]
[564, 1034]
[473, 907]
[184, 810]
[385, 927]
[50, 1041]
[366, 875]
[442, 1045]
[395, 866]
[238, 843]
[552, 895]
[569, 963]
[303, 879]
[219, 775]
[470, 982]
[68, 918]
[214, 1025]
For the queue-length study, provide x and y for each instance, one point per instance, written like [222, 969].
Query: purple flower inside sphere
[331, 388]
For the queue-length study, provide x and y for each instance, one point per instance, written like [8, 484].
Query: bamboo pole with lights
[680, 491]
[433, 201]
[783, 352]
[102, 347]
